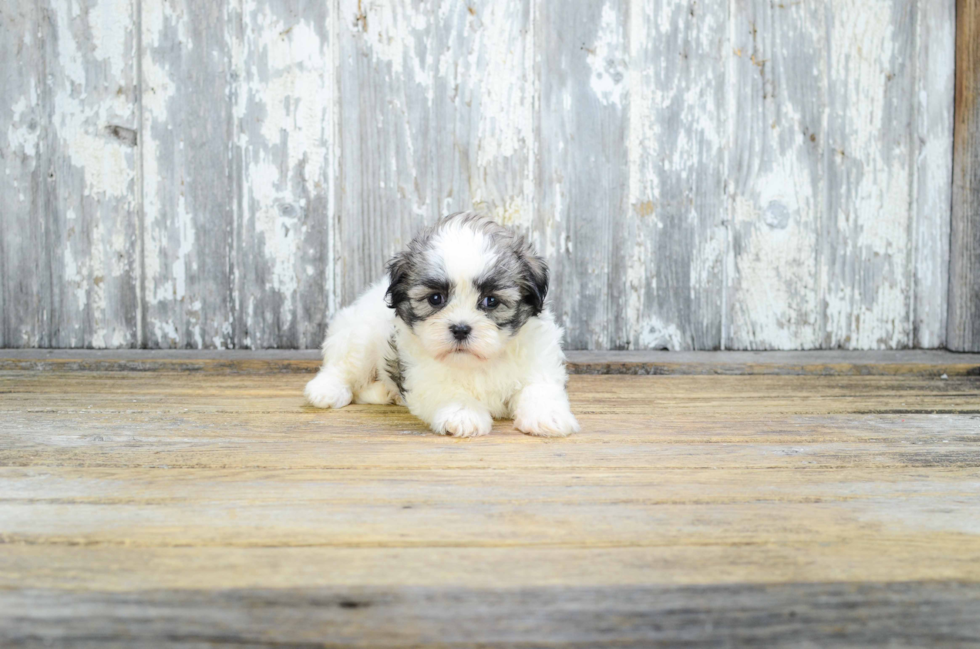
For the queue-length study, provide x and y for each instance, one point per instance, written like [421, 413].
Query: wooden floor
[211, 508]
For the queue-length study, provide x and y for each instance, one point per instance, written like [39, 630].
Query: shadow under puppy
[458, 331]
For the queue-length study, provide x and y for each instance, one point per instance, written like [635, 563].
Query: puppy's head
[465, 286]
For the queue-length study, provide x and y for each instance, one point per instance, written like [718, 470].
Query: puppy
[458, 331]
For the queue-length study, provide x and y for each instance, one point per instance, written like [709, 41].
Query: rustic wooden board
[191, 169]
[24, 177]
[778, 98]
[582, 54]
[70, 190]
[91, 208]
[964, 267]
[867, 615]
[285, 105]
[865, 268]
[678, 55]
[932, 141]
[170, 507]
[922, 363]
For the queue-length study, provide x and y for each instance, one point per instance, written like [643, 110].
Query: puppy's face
[465, 286]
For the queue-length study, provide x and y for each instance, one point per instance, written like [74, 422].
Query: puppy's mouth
[461, 350]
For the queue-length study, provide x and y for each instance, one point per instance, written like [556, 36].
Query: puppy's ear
[534, 278]
[398, 272]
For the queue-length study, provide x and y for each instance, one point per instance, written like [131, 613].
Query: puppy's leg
[329, 389]
[460, 419]
[449, 411]
[352, 351]
[541, 406]
[542, 409]
[377, 393]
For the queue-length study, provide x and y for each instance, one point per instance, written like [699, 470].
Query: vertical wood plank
[582, 57]
[386, 78]
[482, 135]
[22, 174]
[865, 266]
[933, 146]
[89, 209]
[678, 121]
[963, 333]
[192, 175]
[778, 95]
[435, 118]
[285, 103]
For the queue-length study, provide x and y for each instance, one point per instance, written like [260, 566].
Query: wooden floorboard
[173, 508]
[913, 362]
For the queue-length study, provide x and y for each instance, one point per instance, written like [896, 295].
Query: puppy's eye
[489, 302]
[436, 299]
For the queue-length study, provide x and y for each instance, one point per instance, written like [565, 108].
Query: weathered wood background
[701, 174]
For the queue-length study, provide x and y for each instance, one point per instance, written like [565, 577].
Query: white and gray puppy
[458, 331]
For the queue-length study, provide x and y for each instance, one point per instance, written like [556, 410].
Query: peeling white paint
[867, 306]
[504, 129]
[389, 25]
[158, 90]
[656, 334]
[295, 94]
[933, 170]
[186, 237]
[637, 283]
[24, 129]
[74, 275]
[607, 58]
[286, 106]
[276, 219]
[80, 123]
[110, 21]
[676, 143]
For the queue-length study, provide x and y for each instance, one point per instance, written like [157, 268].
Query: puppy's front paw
[327, 391]
[546, 419]
[460, 421]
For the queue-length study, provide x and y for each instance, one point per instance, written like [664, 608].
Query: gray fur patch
[394, 366]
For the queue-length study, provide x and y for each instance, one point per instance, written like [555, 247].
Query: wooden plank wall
[738, 174]
[964, 295]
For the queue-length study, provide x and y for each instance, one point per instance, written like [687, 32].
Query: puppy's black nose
[460, 331]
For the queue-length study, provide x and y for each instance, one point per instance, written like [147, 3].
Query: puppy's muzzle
[460, 331]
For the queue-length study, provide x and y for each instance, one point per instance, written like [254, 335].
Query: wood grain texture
[191, 169]
[866, 615]
[838, 234]
[933, 144]
[678, 55]
[865, 266]
[963, 333]
[165, 508]
[778, 99]
[285, 108]
[70, 199]
[582, 52]
[922, 363]
[23, 316]
[91, 205]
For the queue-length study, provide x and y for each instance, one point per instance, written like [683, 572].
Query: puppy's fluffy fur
[458, 331]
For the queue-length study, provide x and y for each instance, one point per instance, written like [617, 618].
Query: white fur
[457, 391]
